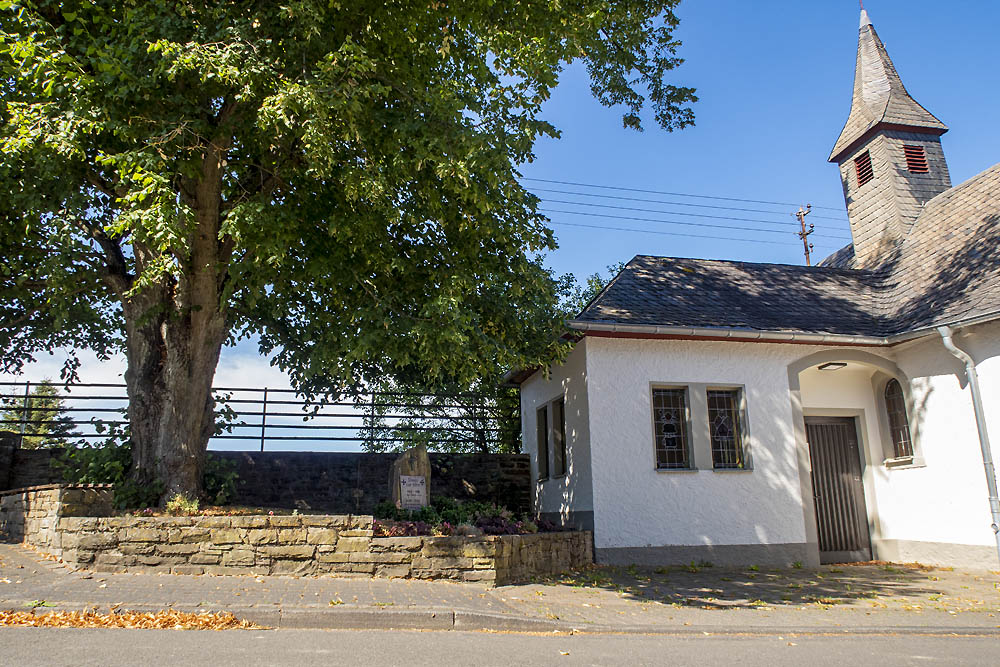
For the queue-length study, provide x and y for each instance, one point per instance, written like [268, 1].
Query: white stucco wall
[945, 501]
[634, 504]
[572, 492]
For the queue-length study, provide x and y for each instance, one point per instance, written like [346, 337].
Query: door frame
[867, 530]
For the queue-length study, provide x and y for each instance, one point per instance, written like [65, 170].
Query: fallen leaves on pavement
[161, 620]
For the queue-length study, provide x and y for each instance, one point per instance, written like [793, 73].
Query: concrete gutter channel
[364, 618]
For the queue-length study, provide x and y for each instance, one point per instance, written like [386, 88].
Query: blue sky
[774, 80]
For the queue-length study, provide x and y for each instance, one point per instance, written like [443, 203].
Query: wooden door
[838, 492]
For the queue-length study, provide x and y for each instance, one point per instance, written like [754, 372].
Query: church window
[670, 428]
[726, 428]
[542, 431]
[916, 159]
[863, 167]
[899, 426]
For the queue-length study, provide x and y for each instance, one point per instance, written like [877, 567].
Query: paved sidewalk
[870, 598]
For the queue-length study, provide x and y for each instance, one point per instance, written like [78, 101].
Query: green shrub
[108, 462]
[181, 505]
[219, 480]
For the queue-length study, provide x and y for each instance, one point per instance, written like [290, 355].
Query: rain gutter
[984, 437]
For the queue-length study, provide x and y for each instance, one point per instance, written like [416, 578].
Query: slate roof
[879, 95]
[945, 270]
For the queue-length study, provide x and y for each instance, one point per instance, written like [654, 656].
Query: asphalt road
[46, 646]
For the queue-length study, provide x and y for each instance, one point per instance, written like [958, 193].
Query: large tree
[336, 179]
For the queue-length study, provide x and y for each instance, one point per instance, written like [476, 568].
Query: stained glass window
[725, 428]
[670, 420]
[542, 425]
[899, 426]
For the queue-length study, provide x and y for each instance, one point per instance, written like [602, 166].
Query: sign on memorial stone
[412, 491]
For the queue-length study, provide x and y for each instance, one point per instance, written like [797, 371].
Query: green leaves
[337, 178]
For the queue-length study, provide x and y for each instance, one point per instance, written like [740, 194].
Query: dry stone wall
[310, 545]
[33, 514]
[66, 521]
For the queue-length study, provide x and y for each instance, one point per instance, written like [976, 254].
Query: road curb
[363, 618]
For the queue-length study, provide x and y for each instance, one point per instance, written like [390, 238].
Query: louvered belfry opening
[863, 166]
[916, 159]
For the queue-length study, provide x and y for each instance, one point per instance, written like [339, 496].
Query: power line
[671, 194]
[688, 224]
[661, 233]
[676, 203]
[653, 210]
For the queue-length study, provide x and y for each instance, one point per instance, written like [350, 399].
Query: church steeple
[880, 98]
[889, 152]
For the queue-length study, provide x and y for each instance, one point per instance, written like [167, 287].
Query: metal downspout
[984, 438]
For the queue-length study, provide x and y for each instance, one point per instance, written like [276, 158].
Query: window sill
[904, 463]
[676, 470]
[729, 470]
[554, 478]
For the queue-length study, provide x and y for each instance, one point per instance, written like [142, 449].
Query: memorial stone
[410, 483]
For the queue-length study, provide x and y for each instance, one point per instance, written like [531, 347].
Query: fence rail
[50, 413]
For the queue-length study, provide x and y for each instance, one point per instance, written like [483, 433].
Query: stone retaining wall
[33, 514]
[63, 520]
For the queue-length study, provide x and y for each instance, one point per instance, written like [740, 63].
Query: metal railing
[251, 418]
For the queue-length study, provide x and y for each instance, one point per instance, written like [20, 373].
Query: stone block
[255, 521]
[326, 520]
[150, 561]
[73, 556]
[205, 558]
[397, 543]
[137, 548]
[293, 521]
[333, 557]
[189, 535]
[326, 536]
[442, 563]
[291, 535]
[224, 536]
[97, 541]
[290, 551]
[479, 576]
[146, 535]
[479, 549]
[346, 544]
[262, 536]
[392, 571]
[110, 559]
[187, 569]
[177, 549]
[238, 557]
[444, 546]
[214, 522]
[293, 567]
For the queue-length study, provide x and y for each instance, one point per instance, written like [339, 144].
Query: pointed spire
[880, 98]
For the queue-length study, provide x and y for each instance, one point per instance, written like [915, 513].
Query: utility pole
[804, 234]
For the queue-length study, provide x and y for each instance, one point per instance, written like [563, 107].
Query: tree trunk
[171, 409]
[175, 329]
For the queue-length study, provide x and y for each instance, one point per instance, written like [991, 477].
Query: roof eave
[725, 333]
[841, 148]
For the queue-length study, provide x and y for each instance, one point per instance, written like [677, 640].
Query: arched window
[899, 426]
